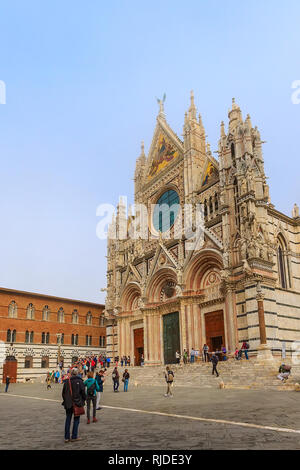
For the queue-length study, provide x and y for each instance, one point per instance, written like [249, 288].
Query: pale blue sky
[82, 80]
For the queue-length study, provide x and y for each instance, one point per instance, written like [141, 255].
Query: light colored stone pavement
[29, 423]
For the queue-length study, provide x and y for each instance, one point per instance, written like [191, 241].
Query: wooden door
[138, 345]
[10, 367]
[214, 329]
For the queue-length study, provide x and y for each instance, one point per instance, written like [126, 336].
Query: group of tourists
[76, 393]
[206, 356]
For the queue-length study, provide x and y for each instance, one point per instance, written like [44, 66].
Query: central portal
[138, 345]
[214, 328]
[171, 337]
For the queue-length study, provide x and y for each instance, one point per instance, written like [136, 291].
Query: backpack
[247, 346]
[287, 368]
[91, 390]
[170, 376]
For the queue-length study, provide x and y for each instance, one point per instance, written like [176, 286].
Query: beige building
[239, 281]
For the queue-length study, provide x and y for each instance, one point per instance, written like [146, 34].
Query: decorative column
[264, 353]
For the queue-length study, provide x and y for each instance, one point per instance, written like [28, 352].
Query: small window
[75, 317]
[30, 312]
[28, 362]
[12, 310]
[46, 313]
[61, 315]
[8, 336]
[45, 362]
[89, 318]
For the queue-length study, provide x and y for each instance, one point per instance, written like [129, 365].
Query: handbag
[77, 410]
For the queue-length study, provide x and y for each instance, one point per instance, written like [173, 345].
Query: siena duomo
[244, 282]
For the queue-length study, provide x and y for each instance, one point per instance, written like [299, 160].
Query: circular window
[166, 210]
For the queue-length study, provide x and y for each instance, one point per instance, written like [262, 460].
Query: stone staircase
[233, 374]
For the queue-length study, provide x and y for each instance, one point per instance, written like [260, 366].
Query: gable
[166, 147]
[210, 174]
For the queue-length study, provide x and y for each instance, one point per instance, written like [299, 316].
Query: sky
[82, 80]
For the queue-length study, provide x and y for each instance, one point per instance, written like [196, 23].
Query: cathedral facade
[241, 282]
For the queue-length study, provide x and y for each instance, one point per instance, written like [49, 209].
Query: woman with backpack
[126, 380]
[92, 388]
[245, 347]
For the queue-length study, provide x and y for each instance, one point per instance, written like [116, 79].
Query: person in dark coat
[7, 382]
[215, 360]
[115, 377]
[78, 397]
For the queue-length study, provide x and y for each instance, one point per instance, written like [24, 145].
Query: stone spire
[234, 115]
[192, 109]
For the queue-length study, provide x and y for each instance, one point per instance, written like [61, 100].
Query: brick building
[36, 330]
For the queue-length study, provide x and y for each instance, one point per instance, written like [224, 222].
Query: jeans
[126, 385]
[246, 353]
[206, 356]
[192, 359]
[214, 369]
[6, 387]
[116, 385]
[69, 414]
[88, 406]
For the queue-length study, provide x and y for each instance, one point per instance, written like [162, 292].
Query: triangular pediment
[211, 172]
[165, 148]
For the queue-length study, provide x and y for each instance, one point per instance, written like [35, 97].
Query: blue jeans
[246, 354]
[69, 414]
[6, 387]
[192, 358]
[116, 385]
[126, 385]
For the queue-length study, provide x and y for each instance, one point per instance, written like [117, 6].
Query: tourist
[245, 347]
[214, 360]
[48, 380]
[122, 360]
[192, 356]
[237, 354]
[142, 360]
[125, 379]
[73, 392]
[185, 356]
[205, 353]
[284, 372]
[169, 376]
[100, 380]
[92, 388]
[115, 378]
[128, 360]
[177, 357]
[223, 349]
[7, 382]
[108, 361]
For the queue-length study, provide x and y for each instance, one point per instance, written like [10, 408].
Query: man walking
[169, 376]
[214, 360]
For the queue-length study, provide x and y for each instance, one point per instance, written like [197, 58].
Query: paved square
[33, 418]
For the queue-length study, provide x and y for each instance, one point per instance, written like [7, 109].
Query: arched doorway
[10, 368]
